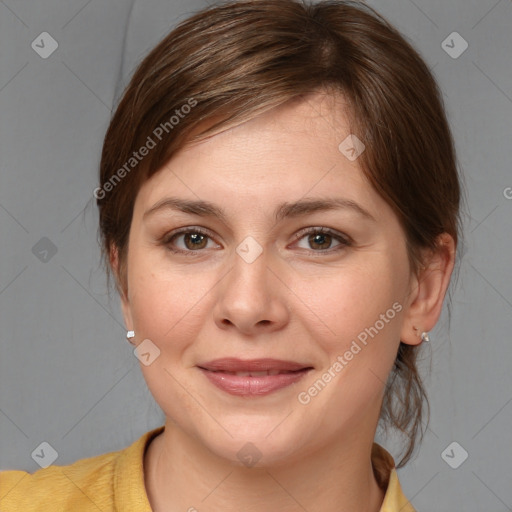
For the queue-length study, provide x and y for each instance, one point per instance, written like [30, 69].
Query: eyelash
[344, 240]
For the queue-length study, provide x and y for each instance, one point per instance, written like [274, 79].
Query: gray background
[67, 375]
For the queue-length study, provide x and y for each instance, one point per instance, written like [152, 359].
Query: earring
[130, 335]
[424, 335]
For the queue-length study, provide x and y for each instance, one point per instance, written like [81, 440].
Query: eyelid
[166, 239]
[344, 241]
[328, 231]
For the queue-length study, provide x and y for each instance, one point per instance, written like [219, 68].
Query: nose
[252, 298]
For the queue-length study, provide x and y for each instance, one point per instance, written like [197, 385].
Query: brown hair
[230, 62]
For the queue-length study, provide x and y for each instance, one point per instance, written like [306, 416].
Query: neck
[181, 475]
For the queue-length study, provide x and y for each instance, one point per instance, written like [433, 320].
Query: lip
[221, 373]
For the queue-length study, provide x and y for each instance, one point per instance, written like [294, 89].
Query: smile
[257, 377]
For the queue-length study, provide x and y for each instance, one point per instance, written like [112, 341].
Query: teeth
[257, 374]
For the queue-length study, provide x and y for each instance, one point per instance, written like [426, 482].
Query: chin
[256, 448]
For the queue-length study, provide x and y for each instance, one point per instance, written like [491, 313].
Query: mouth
[256, 377]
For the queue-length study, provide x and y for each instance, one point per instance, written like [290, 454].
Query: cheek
[353, 299]
[363, 311]
[166, 301]
[358, 331]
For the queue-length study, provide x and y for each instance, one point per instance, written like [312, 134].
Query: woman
[279, 207]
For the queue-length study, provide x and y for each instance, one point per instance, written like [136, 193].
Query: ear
[427, 291]
[125, 303]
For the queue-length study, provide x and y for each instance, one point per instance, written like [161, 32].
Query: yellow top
[115, 482]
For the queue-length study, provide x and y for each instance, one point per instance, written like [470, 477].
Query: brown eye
[321, 239]
[193, 240]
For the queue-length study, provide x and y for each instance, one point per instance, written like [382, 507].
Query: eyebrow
[283, 211]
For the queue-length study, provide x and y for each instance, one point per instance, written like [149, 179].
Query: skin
[299, 300]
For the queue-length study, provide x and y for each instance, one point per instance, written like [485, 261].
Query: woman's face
[320, 314]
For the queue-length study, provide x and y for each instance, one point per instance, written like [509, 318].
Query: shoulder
[84, 485]
[107, 482]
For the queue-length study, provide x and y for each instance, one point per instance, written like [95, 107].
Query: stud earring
[424, 335]
[130, 335]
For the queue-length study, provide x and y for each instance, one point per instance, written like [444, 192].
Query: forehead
[287, 153]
